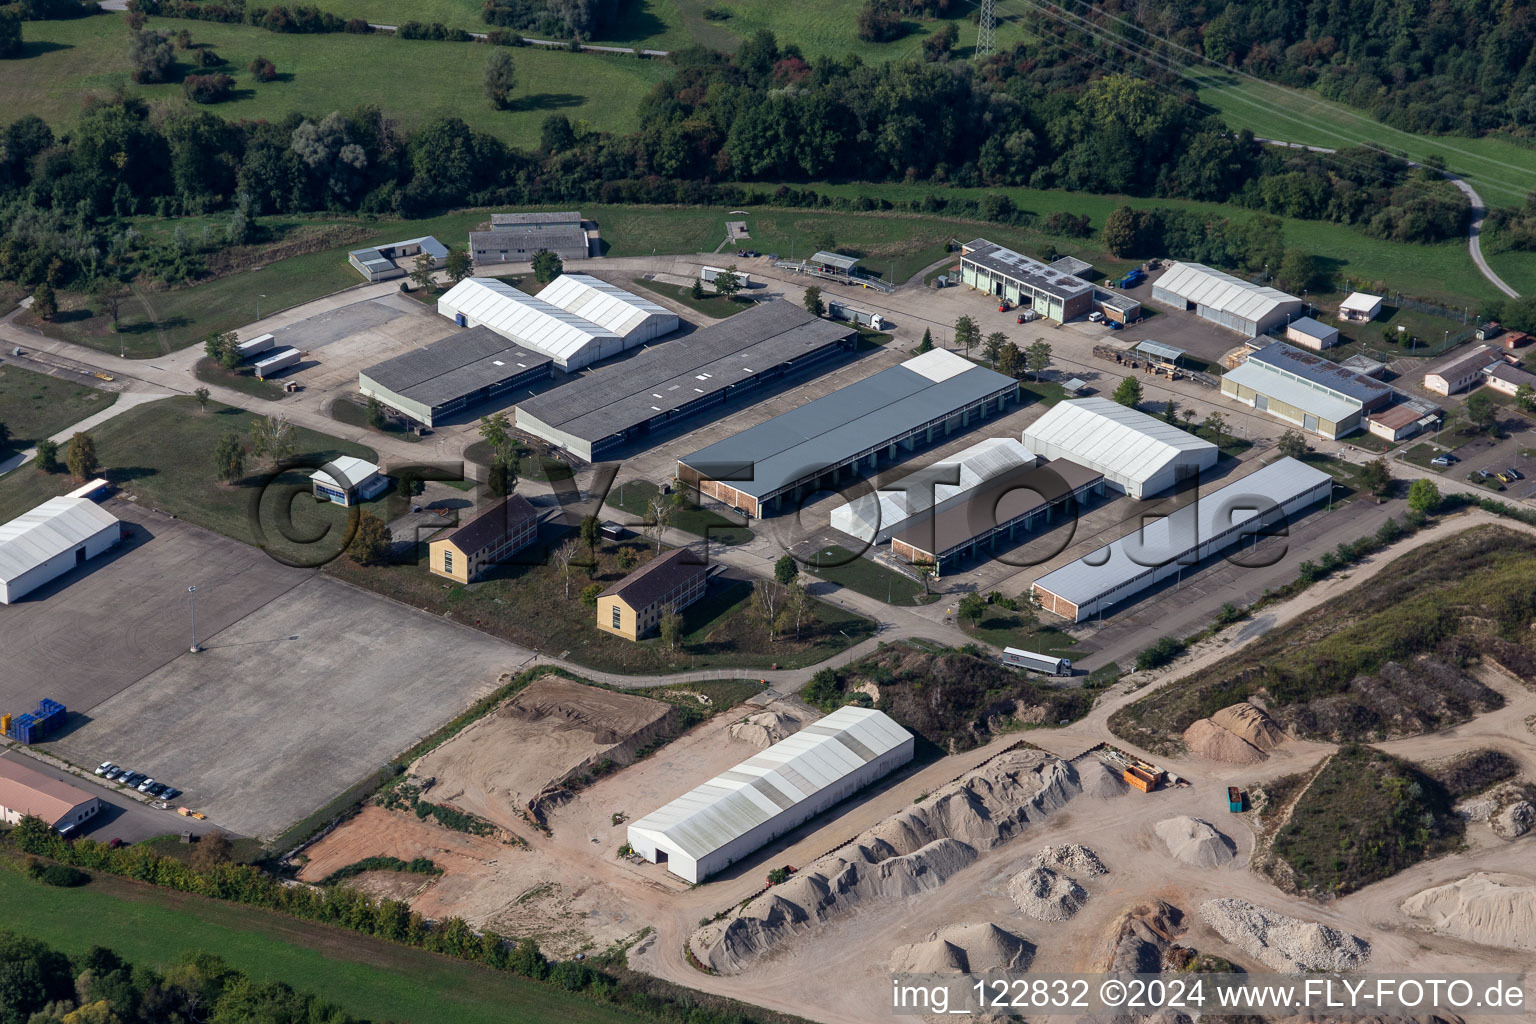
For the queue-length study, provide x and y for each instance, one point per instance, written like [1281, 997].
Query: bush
[1159, 654]
[206, 58]
[208, 88]
[61, 875]
[879, 22]
[263, 70]
[358, 26]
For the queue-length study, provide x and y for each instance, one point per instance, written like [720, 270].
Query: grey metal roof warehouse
[466, 366]
[838, 429]
[1023, 268]
[1320, 374]
[1217, 520]
[679, 378]
[560, 217]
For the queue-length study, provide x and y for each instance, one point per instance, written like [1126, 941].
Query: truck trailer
[708, 275]
[255, 346]
[1015, 658]
[275, 363]
[843, 311]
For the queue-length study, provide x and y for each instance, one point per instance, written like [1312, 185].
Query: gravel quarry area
[1498, 910]
[965, 949]
[1046, 896]
[1284, 943]
[1195, 841]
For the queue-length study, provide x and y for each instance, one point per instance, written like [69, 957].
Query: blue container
[23, 728]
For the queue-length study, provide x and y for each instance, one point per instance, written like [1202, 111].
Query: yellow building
[509, 525]
[633, 607]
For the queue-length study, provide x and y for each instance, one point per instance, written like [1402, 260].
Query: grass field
[412, 80]
[367, 978]
[1003, 628]
[242, 379]
[37, 405]
[162, 452]
[863, 576]
[711, 305]
[634, 497]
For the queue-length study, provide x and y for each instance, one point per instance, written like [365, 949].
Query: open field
[242, 379]
[1386, 660]
[864, 576]
[414, 80]
[36, 405]
[717, 306]
[176, 473]
[634, 497]
[373, 979]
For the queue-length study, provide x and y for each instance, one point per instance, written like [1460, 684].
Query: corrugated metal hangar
[739, 811]
[1239, 305]
[792, 454]
[1137, 453]
[1177, 542]
[518, 237]
[625, 403]
[451, 374]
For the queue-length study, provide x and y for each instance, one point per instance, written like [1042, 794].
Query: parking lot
[89, 634]
[287, 708]
[121, 817]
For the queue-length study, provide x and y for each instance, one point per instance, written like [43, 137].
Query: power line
[985, 27]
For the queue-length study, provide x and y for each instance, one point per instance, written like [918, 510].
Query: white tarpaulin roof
[764, 786]
[606, 305]
[1198, 283]
[47, 531]
[569, 339]
[1121, 443]
[884, 510]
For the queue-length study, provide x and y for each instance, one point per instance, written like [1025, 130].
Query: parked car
[1115, 325]
[143, 787]
[1514, 474]
[171, 793]
[130, 778]
[1440, 460]
[1485, 474]
[112, 773]
[157, 789]
[1095, 316]
[104, 767]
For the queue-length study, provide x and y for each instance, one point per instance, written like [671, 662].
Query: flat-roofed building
[519, 237]
[712, 370]
[1238, 305]
[633, 607]
[50, 540]
[1402, 421]
[1311, 334]
[1316, 394]
[509, 525]
[1460, 372]
[451, 374]
[771, 793]
[1360, 308]
[873, 517]
[25, 791]
[845, 433]
[1178, 542]
[1023, 281]
[1137, 454]
[996, 513]
[571, 341]
[396, 259]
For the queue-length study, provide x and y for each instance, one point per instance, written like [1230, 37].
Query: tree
[966, 332]
[993, 346]
[375, 413]
[212, 849]
[786, 570]
[1039, 355]
[80, 456]
[262, 69]
[1377, 476]
[202, 395]
[1525, 397]
[728, 282]
[496, 431]
[590, 594]
[370, 544]
[627, 558]
[939, 44]
[229, 458]
[926, 345]
[546, 266]
[500, 476]
[1483, 413]
[1297, 269]
[697, 291]
[1171, 411]
[500, 78]
[272, 436]
[215, 88]
[1214, 425]
[813, 303]
[11, 44]
[47, 457]
[152, 56]
[109, 294]
[591, 534]
[766, 597]
[1119, 232]
[1423, 496]
[1128, 394]
[43, 302]
[223, 349]
[658, 514]
[564, 555]
[5, 437]
[422, 271]
[797, 601]
[972, 607]
[1011, 361]
[458, 265]
[671, 626]
[1292, 443]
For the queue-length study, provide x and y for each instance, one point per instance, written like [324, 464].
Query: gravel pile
[1285, 944]
[1071, 859]
[1493, 910]
[1195, 841]
[1045, 895]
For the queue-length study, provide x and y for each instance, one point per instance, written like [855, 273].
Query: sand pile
[765, 728]
[1045, 895]
[1493, 910]
[1284, 943]
[965, 949]
[1071, 859]
[1239, 734]
[1099, 779]
[913, 851]
[1195, 841]
[1250, 724]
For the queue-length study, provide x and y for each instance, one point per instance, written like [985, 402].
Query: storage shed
[571, 341]
[1179, 541]
[1460, 372]
[348, 480]
[24, 790]
[49, 541]
[1314, 393]
[633, 318]
[1250, 309]
[1312, 334]
[1360, 308]
[739, 811]
[518, 237]
[1137, 453]
[1024, 281]
[396, 259]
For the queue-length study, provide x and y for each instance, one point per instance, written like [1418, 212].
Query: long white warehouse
[739, 811]
[635, 319]
[1138, 454]
[1238, 305]
[873, 517]
[49, 541]
[570, 340]
[1117, 572]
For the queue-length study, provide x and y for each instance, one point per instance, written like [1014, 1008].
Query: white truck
[1015, 658]
[843, 311]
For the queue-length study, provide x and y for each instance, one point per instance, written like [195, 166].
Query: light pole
[258, 305]
[192, 600]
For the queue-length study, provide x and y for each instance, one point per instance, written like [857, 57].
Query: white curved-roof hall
[1139, 454]
[572, 341]
[632, 317]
